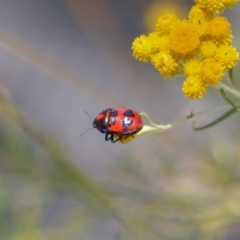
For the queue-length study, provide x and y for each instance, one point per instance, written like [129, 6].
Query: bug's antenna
[85, 132]
[87, 114]
[89, 128]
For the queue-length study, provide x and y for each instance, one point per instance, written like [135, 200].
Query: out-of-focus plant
[195, 200]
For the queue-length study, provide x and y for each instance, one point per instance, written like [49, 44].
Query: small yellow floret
[211, 71]
[165, 64]
[143, 48]
[218, 28]
[184, 39]
[230, 3]
[227, 55]
[199, 17]
[192, 67]
[162, 43]
[197, 13]
[208, 49]
[213, 6]
[193, 87]
[165, 23]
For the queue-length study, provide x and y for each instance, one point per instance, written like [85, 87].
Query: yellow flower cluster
[199, 47]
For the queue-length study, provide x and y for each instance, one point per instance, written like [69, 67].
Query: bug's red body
[121, 122]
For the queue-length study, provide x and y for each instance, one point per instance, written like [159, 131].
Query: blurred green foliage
[44, 196]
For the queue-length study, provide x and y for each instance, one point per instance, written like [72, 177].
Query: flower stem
[159, 128]
[228, 89]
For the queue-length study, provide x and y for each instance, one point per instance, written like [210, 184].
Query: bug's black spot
[128, 113]
[114, 113]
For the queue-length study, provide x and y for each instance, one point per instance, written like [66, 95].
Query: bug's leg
[123, 138]
[116, 140]
[112, 138]
[109, 136]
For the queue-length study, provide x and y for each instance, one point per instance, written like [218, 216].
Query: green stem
[159, 128]
[228, 89]
[211, 124]
[227, 99]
